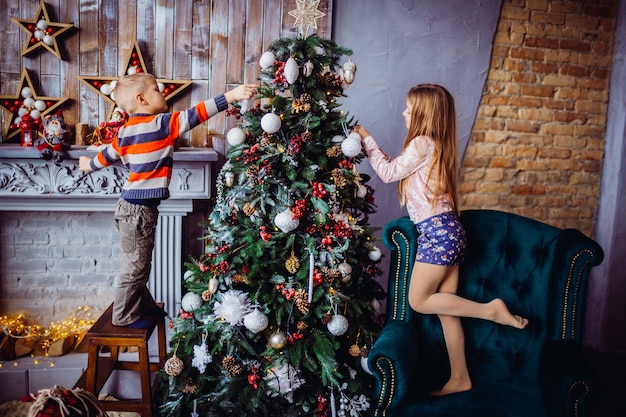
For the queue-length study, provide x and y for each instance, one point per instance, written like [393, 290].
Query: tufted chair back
[541, 273]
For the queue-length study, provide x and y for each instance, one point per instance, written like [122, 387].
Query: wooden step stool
[99, 368]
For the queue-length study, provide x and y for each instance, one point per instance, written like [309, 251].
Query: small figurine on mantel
[55, 139]
[107, 131]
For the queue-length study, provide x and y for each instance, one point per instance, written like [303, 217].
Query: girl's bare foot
[453, 386]
[501, 315]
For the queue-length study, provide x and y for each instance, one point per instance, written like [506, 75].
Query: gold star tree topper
[306, 14]
[42, 33]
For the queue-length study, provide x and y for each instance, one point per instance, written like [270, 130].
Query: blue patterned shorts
[441, 240]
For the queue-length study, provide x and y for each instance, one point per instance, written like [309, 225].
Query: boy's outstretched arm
[243, 92]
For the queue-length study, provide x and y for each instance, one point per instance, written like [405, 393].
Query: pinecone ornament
[340, 180]
[307, 137]
[231, 366]
[292, 264]
[253, 173]
[248, 209]
[354, 350]
[334, 151]
[302, 302]
[174, 366]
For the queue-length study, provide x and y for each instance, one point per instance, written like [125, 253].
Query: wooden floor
[611, 369]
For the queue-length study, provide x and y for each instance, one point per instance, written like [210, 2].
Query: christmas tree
[282, 308]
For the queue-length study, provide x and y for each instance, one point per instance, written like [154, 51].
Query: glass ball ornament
[26, 92]
[374, 254]
[236, 136]
[285, 221]
[255, 321]
[190, 302]
[351, 146]
[270, 123]
[337, 325]
[267, 59]
[278, 340]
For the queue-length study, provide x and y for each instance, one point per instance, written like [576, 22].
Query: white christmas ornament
[229, 179]
[233, 307]
[39, 34]
[351, 146]
[40, 105]
[374, 254]
[285, 221]
[291, 70]
[255, 321]
[283, 379]
[236, 136]
[337, 325]
[201, 357]
[308, 69]
[105, 89]
[267, 60]
[362, 191]
[278, 340]
[26, 92]
[22, 111]
[42, 24]
[47, 39]
[188, 275]
[161, 87]
[34, 113]
[345, 269]
[364, 365]
[338, 138]
[29, 102]
[270, 123]
[131, 71]
[213, 285]
[190, 302]
[349, 72]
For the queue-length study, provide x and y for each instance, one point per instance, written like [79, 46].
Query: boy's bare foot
[453, 386]
[501, 315]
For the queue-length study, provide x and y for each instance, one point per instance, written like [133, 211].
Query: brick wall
[54, 262]
[538, 140]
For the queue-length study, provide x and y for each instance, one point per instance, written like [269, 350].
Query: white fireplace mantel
[29, 183]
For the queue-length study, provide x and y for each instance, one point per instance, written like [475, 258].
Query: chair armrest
[568, 381]
[393, 360]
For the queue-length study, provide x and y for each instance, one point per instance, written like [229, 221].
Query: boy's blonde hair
[433, 115]
[130, 85]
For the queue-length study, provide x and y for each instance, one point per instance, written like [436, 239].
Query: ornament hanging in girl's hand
[55, 140]
[107, 131]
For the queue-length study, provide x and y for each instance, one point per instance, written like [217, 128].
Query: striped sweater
[145, 145]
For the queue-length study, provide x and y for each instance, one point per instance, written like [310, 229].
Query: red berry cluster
[280, 76]
[250, 154]
[289, 293]
[319, 190]
[318, 277]
[253, 378]
[293, 337]
[322, 406]
[265, 235]
[184, 315]
[299, 209]
[232, 111]
[345, 164]
[295, 145]
[327, 240]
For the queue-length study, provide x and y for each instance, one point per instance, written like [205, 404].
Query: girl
[426, 173]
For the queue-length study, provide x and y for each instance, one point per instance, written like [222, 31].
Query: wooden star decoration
[42, 33]
[104, 85]
[12, 104]
[306, 14]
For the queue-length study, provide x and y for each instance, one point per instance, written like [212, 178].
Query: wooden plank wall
[214, 43]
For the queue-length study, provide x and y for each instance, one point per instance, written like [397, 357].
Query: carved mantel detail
[30, 183]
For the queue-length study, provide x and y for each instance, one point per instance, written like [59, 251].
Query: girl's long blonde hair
[433, 115]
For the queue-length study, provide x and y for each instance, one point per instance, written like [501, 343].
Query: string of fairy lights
[43, 337]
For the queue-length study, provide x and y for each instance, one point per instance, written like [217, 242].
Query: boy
[145, 145]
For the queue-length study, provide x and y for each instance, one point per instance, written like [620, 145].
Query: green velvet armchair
[541, 273]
